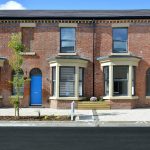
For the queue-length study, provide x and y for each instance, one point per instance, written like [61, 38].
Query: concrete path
[85, 115]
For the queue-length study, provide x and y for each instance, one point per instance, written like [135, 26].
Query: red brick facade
[91, 42]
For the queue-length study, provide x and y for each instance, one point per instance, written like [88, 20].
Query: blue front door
[36, 89]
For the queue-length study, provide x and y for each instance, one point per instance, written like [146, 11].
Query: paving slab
[86, 115]
[45, 124]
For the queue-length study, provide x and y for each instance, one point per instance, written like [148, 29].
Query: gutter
[73, 17]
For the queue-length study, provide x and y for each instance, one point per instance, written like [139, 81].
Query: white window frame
[68, 63]
[111, 62]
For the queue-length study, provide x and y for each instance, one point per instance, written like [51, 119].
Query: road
[69, 138]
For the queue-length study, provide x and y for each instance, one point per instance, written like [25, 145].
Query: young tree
[16, 61]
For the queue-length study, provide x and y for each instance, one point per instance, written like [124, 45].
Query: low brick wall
[114, 104]
[61, 104]
[123, 104]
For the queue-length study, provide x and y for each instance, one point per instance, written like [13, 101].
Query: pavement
[84, 118]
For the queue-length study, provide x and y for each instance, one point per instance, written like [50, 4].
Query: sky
[74, 4]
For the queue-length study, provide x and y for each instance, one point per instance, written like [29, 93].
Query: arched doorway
[36, 87]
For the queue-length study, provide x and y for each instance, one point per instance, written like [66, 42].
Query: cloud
[11, 5]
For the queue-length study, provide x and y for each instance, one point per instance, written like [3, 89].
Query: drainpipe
[93, 55]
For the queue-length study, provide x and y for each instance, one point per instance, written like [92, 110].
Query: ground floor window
[54, 81]
[120, 80]
[133, 80]
[148, 82]
[14, 77]
[81, 81]
[106, 80]
[67, 82]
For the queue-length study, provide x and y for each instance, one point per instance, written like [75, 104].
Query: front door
[36, 87]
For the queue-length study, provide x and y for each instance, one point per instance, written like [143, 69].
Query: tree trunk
[18, 93]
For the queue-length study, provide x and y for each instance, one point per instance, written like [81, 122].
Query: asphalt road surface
[54, 138]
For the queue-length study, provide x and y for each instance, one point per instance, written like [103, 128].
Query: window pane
[148, 82]
[67, 77]
[120, 46]
[67, 46]
[54, 81]
[120, 77]
[106, 80]
[21, 88]
[66, 89]
[120, 34]
[120, 38]
[81, 75]
[28, 38]
[67, 73]
[80, 88]
[67, 33]
[120, 88]
[148, 86]
[133, 80]
[120, 72]
[67, 40]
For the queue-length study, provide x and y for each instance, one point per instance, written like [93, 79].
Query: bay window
[119, 81]
[67, 78]
[119, 76]
[68, 81]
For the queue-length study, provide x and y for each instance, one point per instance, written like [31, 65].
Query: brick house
[73, 55]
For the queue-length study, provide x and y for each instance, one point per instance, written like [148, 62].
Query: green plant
[45, 117]
[16, 61]
[100, 99]
[87, 99]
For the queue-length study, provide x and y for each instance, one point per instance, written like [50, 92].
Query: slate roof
[117, 56]
[66, 57]
[74, 14]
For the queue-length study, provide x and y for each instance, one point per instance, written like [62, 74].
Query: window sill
[120, 97]
[126, 53]
[147, 97]
[67, 98]
[28, 53]
[69, 54]
[13, 96]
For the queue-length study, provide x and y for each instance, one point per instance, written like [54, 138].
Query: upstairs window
[120, 40]
[67, 41]
[27, 38]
